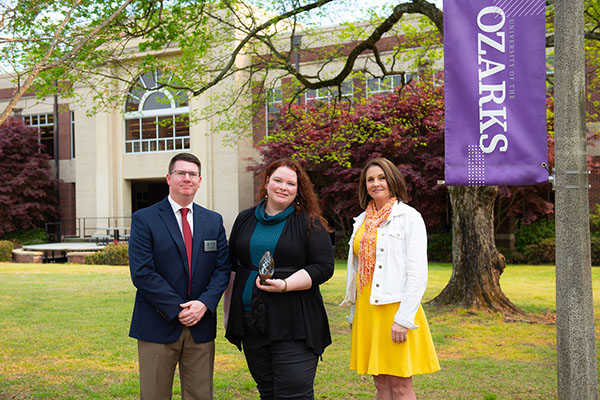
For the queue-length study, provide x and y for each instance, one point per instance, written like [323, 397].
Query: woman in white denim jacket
[386, 279]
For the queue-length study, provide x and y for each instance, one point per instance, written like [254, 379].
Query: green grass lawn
[63, 335]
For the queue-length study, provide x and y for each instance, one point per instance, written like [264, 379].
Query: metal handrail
[83, 227]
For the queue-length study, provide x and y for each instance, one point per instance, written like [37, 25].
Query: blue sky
[354, 10]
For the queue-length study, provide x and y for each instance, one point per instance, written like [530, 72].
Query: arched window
[156, 115]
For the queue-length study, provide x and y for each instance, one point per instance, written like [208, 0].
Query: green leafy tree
[60, 43]
[98, 43]
[42, 40]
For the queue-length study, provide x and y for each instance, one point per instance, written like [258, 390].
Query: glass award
[266, 267]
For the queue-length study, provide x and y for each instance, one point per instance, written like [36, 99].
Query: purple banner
[495, 83]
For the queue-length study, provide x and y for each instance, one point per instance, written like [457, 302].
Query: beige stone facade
[101, 180]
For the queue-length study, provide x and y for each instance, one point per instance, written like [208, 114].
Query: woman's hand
[399, 333]
[299, 280]
[272, 285]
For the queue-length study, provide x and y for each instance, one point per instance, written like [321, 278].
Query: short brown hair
[308, 201]
[189, 157]
[393, 176]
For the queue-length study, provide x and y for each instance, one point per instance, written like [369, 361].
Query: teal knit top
[264, 238]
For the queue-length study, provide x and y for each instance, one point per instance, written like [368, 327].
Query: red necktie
[187, 236]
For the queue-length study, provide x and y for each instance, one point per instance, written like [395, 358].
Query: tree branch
[43, 65]
[38, 68]
[415, 7]
[253, 33]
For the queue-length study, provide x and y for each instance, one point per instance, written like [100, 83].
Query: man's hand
[192, 312]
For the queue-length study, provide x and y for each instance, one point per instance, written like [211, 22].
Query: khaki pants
[158, 362]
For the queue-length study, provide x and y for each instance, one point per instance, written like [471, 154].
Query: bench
[25, 256]
[101, 238]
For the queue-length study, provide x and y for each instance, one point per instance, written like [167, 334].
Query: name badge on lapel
[210, 245]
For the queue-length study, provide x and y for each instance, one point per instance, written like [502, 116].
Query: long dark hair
[307, 200]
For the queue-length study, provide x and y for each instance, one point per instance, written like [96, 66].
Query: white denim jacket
[400, 273]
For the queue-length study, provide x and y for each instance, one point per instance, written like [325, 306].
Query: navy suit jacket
[159, 270]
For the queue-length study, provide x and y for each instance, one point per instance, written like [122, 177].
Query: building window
[272, 110]
[156, 115]
[44, 123]
[326, 94]
[388, 83]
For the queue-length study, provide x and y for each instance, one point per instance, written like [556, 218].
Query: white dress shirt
[190, 215]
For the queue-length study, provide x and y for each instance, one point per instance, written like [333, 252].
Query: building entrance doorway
[145, 193]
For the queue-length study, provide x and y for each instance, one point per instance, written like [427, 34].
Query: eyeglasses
[180, 174]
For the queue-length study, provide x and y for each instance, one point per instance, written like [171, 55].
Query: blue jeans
[282, 369]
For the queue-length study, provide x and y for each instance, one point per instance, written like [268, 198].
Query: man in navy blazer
[178, 288]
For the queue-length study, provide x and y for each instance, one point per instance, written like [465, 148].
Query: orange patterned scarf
[368, 242]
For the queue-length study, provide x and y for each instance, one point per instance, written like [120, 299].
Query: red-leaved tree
[334, 142]
[27, 192]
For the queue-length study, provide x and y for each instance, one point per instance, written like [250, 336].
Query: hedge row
[6, 248]
[116, 253]
[534, 243]
[24, 237]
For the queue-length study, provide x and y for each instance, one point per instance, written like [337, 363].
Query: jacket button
[381, 249]
[377, 285]
[379, 266]
[376, 301]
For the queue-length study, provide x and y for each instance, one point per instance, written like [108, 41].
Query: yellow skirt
[373, 350]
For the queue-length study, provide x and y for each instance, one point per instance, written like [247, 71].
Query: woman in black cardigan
[281, 325]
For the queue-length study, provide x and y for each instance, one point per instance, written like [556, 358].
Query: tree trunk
[476, 262]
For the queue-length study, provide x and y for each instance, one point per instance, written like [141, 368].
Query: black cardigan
[294, 315]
